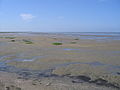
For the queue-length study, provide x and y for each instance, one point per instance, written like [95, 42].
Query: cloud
[26, 16]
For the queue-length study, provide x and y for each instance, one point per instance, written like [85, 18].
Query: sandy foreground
[10, 81]
[34, 62]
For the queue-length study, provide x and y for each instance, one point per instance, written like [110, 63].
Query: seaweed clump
[27, 41]
[57, 43]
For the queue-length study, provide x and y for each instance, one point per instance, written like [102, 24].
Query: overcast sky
[60, 15]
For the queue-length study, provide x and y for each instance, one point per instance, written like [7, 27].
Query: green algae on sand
[57, 43]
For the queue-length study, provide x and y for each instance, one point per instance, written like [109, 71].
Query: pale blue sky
[60, 15]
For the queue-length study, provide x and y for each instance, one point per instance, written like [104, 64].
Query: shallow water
[95, 35]
[70, 49]
[22, 58]
[81, 35]
[28, 60]
[3, 43]
[89, 63]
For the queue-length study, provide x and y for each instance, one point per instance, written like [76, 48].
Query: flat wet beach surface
[60, 61]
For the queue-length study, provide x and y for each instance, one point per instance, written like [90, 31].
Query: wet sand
[10, 81]
[77, 64]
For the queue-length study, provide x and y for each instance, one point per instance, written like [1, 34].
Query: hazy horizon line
[56, 32]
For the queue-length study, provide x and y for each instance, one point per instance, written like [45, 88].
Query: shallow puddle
[3, 62]
[10, 58]
[29, 60]
[70, 49]
[91, 63]
[3, 43]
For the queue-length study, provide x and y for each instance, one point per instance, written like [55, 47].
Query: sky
[60, 15]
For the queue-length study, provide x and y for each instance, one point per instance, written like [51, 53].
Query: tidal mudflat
[60, 61]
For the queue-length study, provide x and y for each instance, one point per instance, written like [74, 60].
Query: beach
[60, 61]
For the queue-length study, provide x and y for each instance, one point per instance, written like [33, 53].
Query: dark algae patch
[99, 81]
[118, 73]
[80, 79]
[103, 82]
[12, 40]
[12, 87]
[76, 39]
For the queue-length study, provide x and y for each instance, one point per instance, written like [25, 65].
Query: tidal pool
[70, 49]
[28, 60]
